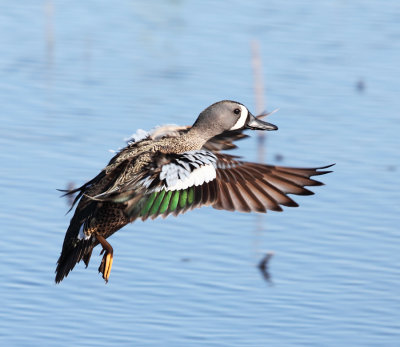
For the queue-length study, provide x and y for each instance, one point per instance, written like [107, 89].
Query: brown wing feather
[238, 186]
[249, 187]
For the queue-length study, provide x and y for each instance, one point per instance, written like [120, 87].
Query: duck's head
[228, 115]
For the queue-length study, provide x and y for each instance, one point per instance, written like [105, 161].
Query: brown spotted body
[173, 170]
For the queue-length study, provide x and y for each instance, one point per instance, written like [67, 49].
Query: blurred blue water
[78, 78]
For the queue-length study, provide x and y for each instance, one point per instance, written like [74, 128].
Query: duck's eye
[236, 111]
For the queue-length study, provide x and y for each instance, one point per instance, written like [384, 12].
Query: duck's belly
[108, 218]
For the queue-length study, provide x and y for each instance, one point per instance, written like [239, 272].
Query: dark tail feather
[72, 255]
[86, 257]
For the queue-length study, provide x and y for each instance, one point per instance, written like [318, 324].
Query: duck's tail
[71, 255]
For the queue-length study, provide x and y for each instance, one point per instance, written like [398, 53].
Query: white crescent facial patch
[242, 119]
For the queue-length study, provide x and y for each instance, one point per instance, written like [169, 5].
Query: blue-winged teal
[172, 170]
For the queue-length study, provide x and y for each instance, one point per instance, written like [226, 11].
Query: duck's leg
[106, 262]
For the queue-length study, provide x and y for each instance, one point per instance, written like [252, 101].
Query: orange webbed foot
[107, 261]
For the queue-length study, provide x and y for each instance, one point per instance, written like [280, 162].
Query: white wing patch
[242, 119]
[197, 177]
[192, 168]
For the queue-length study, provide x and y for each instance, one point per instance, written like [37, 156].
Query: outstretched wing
[252, 187]
[180, 182]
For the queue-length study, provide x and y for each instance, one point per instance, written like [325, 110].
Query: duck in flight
[173, 170]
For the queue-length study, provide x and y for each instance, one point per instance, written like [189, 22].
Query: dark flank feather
[172, 170]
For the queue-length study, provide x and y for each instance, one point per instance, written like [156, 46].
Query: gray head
[228, 115]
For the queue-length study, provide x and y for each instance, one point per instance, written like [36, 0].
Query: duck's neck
[193, 140]
[195, 135]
